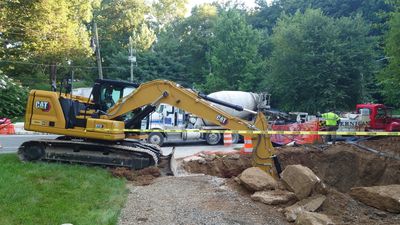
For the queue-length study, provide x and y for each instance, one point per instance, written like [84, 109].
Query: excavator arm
[161, 91]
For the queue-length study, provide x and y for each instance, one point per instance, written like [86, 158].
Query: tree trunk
[53, 76]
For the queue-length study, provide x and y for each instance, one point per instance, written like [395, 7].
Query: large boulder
[306, 205]
[255, 179]
[273, 197]
[381, 197]
[300, 179]
[312, 218]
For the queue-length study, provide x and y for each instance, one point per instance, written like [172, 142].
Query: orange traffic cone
[248, 146]
[227, 139]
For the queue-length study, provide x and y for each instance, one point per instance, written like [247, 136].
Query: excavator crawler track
[127, 153]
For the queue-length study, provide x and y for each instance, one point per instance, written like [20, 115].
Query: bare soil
[225, 166]
[341, 167]
[142, 177]
[344, 166]
[389, 145]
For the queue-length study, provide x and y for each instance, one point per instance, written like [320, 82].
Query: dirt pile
[139, 177]
[389, 145]
[344, 166]
[341, 166]
[219, 165]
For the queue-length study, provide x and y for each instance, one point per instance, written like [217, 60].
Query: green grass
[52, 193]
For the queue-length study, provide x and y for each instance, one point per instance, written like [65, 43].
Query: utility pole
[131, 58]
[98, 57]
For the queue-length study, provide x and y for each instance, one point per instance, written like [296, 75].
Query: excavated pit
[341, 166]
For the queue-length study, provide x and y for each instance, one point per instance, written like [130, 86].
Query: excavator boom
[85, 121]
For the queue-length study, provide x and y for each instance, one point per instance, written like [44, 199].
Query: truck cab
[380, 117]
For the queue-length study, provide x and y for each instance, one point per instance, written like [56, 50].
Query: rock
[281, 185]
[381, 214]
[237, 180]
[234, 156]
[320, 188]
[255, 179]
[309, 205]
[311, 218]
[299, 179]
[210, 157]
[202, 161]
[273, 197]
[192, 158]
[381, 197]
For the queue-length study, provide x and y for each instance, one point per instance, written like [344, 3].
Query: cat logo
[222, 119]
[43, 105]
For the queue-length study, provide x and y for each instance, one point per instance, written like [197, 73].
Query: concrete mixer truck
[168, 117]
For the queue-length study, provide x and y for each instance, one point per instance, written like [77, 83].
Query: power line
[84, 67]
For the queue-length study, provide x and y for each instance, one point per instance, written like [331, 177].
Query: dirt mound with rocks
[344, 166]
[341, 166]
[139, 177]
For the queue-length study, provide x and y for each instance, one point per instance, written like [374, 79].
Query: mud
[140, 177]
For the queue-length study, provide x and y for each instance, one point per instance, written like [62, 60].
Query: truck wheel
[235, 138]
[213, 138]
[156, 138]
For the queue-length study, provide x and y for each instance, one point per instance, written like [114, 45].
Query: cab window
[381, 113]
[109, 96]
[364, 111]
[160, 108]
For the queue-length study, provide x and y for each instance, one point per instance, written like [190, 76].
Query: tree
[373, 11]
[42, 33]
[167, 11]
[120, 19]
[390, 76]
[180, 53]
[12, 94]
[319, 62]
[234, 57]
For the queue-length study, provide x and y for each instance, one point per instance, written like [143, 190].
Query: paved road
[10, 143]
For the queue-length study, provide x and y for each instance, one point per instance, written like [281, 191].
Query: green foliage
[219, 46]
[373, 11]
[319, 62]
[167, 11]
[121, 19]
[390, 76]
[13, 97]
[234, 57]
[42, 193]
[43, 33]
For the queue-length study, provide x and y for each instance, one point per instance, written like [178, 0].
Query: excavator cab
[107, 92]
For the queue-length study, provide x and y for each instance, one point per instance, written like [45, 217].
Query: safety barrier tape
[349, 133]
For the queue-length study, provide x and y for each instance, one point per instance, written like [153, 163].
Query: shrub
[13, 97]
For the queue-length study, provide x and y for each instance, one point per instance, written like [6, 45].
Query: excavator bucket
[167, 164]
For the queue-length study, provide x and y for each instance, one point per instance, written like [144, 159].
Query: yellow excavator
[95, 130]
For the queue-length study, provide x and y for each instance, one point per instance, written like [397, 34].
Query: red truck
[380, 117]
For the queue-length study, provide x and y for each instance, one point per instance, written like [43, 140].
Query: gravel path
[194, 200]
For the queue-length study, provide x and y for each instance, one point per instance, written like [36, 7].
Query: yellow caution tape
[271, 132]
